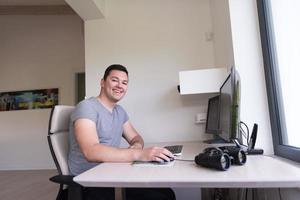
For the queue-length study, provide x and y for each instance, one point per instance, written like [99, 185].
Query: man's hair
[114, 67]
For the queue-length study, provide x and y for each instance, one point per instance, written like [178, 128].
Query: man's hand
[132, 136]
[136, 142]
[136, 145]
[155, 154]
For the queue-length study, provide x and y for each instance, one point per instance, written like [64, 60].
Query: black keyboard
[175, 149]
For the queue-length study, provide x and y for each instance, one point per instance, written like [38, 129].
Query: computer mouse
[164, 161]
[170, 159]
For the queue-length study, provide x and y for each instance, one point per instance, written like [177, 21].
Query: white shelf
[202, 81]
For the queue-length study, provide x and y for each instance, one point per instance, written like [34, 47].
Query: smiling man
[96, 128]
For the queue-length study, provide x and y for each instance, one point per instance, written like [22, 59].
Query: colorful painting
[28, 99]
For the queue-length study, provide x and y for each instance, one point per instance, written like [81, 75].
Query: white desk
[258, 172]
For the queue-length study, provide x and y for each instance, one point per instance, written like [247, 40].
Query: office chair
[59, 147]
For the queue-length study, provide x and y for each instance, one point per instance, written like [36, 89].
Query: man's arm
[86, 136]
[132, 136]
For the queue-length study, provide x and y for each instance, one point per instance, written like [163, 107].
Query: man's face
[115, 85]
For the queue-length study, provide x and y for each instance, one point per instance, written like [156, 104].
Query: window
[280, 30]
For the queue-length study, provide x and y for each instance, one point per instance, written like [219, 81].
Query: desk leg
[75, 193]
[120, 194]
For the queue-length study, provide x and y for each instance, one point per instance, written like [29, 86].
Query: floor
[27, 185]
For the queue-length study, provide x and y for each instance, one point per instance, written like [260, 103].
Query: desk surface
[259, 171]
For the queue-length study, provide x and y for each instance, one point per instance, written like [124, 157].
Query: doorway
[79, 87]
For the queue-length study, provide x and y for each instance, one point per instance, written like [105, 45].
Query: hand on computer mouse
[168, 156]
[165, 161]
[158, 154]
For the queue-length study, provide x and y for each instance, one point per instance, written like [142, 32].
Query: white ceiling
[31, 2]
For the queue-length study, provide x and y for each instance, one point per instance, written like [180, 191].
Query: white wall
[249, 62]
[155, 40]
[222, 36]
[36, 52]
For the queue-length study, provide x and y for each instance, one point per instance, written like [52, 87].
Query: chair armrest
[64, 179]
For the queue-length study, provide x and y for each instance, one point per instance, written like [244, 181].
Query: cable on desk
[245, 134]
[179, 159]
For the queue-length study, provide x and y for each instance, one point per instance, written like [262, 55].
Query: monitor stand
[217, 140]
[220, 142]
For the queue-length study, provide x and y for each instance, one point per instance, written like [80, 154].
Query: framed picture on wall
[28, 99]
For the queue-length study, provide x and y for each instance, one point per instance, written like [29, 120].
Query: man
[96, 128]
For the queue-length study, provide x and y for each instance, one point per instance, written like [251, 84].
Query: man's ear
[102, 82]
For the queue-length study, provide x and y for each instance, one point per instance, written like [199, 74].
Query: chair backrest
[58, 136]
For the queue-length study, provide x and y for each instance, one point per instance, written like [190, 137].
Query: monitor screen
[212, 118]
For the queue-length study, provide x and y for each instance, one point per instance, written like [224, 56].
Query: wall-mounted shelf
[88, 9]
[202, 81]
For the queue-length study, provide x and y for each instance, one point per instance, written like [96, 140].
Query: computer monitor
[212, 117]
[229, 108]
[223, 116]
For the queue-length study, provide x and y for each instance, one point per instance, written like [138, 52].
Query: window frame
[275, 102]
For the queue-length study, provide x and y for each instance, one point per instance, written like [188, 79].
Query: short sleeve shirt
[109, 127]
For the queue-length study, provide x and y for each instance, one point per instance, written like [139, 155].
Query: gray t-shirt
[109, 127]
